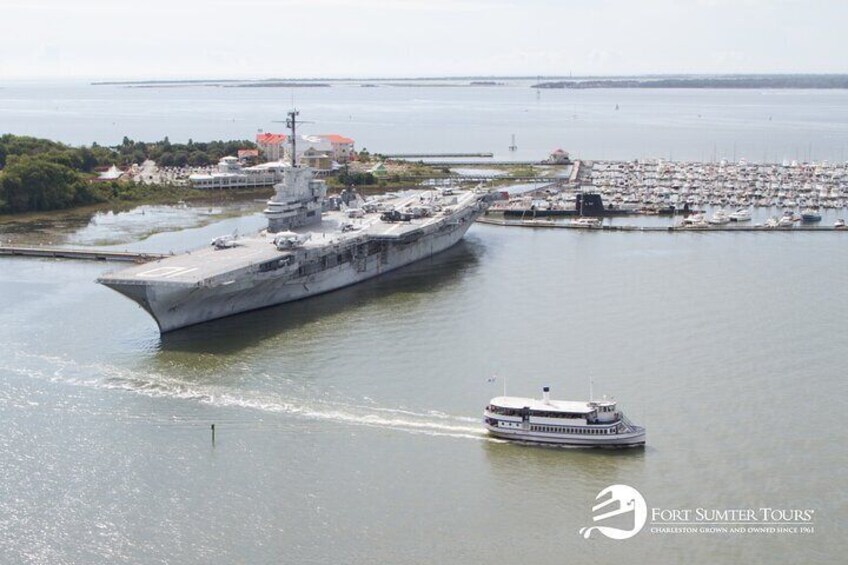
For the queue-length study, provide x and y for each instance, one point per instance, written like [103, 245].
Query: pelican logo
[628, 501]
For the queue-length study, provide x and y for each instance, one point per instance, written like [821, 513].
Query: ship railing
[626, 421]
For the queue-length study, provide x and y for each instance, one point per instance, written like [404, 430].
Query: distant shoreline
[747, 81]
[737, 82]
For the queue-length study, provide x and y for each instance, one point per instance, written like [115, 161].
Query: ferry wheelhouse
[596, 423]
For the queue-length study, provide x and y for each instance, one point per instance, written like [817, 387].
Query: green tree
[166, 160]
[198, 159]
[35, 183]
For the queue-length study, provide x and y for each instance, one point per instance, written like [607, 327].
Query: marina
[655, 184]
[657, 187]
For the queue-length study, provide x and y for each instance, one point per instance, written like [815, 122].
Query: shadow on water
[234, 333]
[540, 460]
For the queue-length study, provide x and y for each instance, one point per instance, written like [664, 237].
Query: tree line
[40, 174]
[167, 154]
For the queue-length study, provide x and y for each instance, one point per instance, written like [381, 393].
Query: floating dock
[666, 229]
[78, 254]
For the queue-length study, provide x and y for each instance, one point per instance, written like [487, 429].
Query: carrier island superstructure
[304, 251]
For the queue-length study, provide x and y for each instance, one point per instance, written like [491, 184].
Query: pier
[666, 229]
[78, 254]
[436, 155]
[485, 163]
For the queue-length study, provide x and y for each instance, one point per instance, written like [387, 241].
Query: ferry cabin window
[542, 414]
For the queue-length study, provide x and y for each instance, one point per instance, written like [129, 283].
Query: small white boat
[585, 222]
[719, 218]
[839, 224]
[786, 222]
[741, 215]
[593, 423]
[695, 221]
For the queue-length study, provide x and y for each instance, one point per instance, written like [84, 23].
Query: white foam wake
[157, 385]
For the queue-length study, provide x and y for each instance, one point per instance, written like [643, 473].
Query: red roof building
[342, 146]
[271, 145]
[270, 138]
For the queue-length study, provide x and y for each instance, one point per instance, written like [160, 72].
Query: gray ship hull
[177, 306]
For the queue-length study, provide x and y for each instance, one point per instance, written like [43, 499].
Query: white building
[231, 174]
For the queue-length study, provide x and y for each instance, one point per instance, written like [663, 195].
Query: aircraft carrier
[304, 251]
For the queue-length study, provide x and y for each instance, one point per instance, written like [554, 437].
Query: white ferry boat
[596, 423]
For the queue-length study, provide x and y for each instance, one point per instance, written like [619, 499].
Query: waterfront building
[231, 174]
[248, 154]
[342, 147]
[277, 146]
[316, 159]
[558, 157]
[271, 145]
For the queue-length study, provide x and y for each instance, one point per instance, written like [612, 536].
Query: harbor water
[697, 125]
[347, 426]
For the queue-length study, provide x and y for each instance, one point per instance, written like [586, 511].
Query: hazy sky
[383, 38]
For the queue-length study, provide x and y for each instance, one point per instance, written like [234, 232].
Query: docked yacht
[810, 216]
[586, 222]
[741, 215]
[787, 220]
[771, 223]
[593, 423]
[719, 218]
[695, 221]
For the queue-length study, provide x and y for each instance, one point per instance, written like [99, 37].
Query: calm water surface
[760, 125]
[348, 424]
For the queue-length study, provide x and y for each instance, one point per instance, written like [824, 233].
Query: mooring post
[213, 435]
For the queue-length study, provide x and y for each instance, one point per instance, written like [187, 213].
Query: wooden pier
[78, 254]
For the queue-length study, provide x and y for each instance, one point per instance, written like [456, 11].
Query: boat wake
[157, 385]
